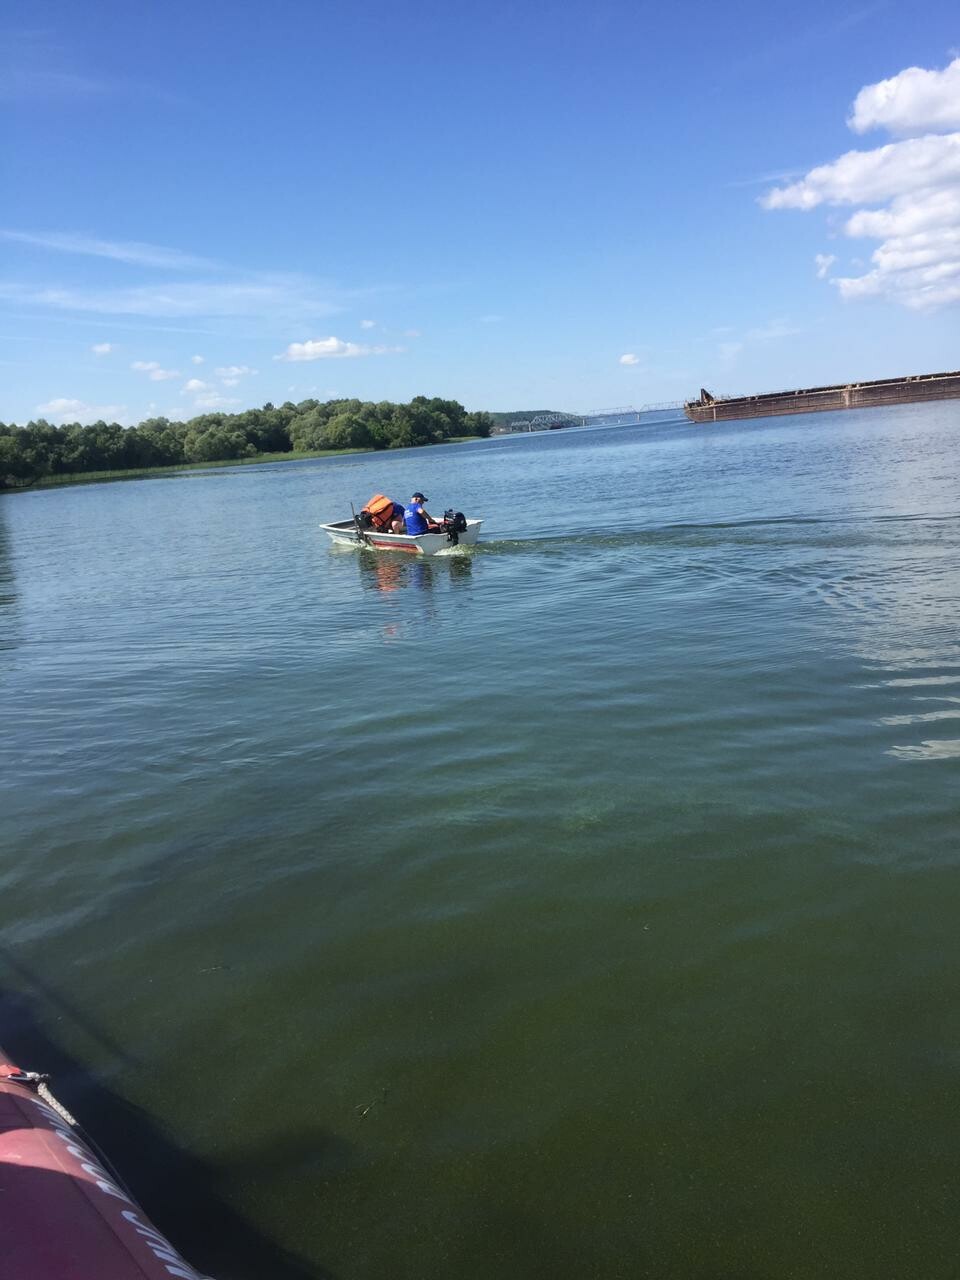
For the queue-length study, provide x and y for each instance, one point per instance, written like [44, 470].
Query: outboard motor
[454, 523]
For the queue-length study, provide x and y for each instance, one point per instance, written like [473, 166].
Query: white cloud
[629, 358]
[156, 373]
[915, 181]
[214, 400]
[194, 385]
[130, 251]
[867, 177]
[824, 262]
[913, 101]
[328, 349]
[102, 348]
[368, 324]
[412, 333]
[490, 319]
[234, 371]
[197, 360]
[908, 215]
[63, 410]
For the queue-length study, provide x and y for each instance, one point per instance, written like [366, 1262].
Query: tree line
[30, 453]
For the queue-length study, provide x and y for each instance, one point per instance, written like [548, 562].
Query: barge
[849, 395]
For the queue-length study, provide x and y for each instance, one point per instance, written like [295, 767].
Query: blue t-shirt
[414, 519]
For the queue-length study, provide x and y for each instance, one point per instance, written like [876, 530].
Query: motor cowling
[454, 523]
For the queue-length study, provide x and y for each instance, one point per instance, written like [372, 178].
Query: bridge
[621, 416]
[627, 415]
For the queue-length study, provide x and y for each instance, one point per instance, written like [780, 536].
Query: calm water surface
[581, 906]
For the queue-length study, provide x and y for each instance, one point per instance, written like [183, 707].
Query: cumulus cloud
[197, 360]
[102, 348]
[194, 385]
[915, 181]
[913, 101]
[328, 349]
[155, 372]
[63, 410]
[629, 358]
[866, 177]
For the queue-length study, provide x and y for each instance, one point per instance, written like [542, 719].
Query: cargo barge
[850, 395]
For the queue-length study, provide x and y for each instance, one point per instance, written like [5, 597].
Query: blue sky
[215, 205]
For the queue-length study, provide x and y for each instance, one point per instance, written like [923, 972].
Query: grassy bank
[144, 473]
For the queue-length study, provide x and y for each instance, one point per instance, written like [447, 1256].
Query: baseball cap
[422, 496]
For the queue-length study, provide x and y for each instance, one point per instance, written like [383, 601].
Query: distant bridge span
[626, 415]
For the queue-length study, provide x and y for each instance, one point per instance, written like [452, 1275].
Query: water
[583, 905]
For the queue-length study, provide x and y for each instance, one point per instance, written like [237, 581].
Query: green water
[584, 905]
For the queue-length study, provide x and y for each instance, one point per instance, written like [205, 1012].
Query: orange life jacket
[380, 511]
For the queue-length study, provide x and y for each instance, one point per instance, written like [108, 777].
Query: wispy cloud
[20, 84]
[770, 332]
[35, 66]
[734, 343]
[214, 400]
[784, 175]
[130, 251]
[280, 298]
[824, 261]
[630, 358]
[154, 371]
[330, 349]
[368, 324]
[795, 40]
[102, 348]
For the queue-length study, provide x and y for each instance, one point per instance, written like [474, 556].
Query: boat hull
[62, 1214]
[344, 533]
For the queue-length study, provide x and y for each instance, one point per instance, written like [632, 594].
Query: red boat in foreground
[63, 1216]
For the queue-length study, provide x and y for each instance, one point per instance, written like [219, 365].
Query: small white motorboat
[462, 533]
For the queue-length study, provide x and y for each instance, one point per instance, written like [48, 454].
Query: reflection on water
[389, 573]
[8, 594]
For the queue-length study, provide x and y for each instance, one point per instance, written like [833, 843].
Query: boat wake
[844, 531]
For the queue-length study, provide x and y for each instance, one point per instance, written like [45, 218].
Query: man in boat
[383, 513]
[417, 519]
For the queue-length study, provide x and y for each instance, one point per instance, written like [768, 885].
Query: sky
[541, 205]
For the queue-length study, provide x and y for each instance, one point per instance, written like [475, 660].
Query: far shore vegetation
[42, 454]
